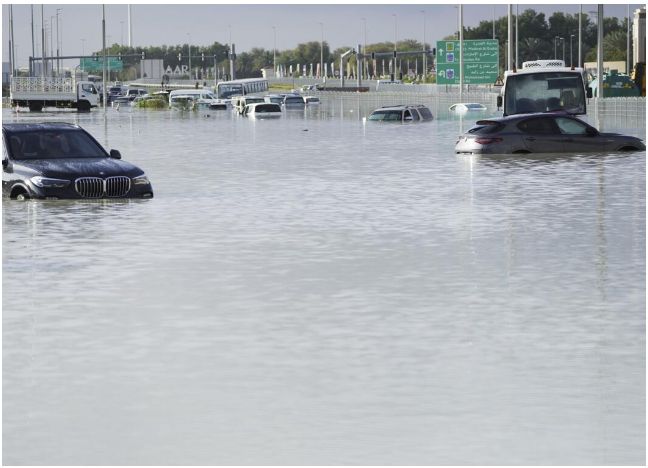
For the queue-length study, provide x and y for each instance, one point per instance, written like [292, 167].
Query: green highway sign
[480, 61]
[89, 64]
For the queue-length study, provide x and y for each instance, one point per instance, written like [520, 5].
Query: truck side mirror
[499, 102]
[589, 93]
[115, 154]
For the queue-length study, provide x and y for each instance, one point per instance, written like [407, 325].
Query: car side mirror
[590, 94]
[499, 102]
[591, 131]
[115, 154]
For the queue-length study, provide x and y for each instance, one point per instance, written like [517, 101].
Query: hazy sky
[252, 24]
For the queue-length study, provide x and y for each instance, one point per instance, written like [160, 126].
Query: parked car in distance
[311, 100]
[467, 107]
[132, 93]
[382, 83]
[293, 100]
[413, 113]
[541, 133]
[62, 161]
[274, 98]
[262, 110]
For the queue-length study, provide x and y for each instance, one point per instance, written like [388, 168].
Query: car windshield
[542, 92]
[474, 106]
[294, 100]
[254, 100]
[386, 115]
[114, 90]
[53, 144]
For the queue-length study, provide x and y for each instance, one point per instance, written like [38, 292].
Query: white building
[268, 72]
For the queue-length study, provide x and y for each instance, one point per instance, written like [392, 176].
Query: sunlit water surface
[317, 290]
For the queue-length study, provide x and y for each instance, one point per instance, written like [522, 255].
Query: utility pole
[563, 41]
[12, 65]
[31, 71]
[599, 64]
[571, 57]
[83, 53]
[122, 33]
[493, 21]
[461, 52]
[43, 43]
[274, 53]
[510, 37]
[58, 62]
[517, 13]
[364, 49]
[130, 28]
[190, 77]
[580, 35]
[424, 53]
[395, 47]
[556, 47]
[628, 46]
[322, 52]
[103, 39]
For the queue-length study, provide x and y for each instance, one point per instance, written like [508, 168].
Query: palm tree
[615, 45]
[532, 48]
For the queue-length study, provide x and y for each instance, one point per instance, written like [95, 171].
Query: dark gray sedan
[541, 133]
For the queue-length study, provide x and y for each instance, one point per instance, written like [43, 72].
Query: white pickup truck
[36, 93]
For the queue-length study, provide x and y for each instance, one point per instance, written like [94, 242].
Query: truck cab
[544, 86]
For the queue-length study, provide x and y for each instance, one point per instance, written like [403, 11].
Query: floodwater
[319, 290]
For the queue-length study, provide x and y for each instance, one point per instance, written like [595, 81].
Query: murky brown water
[317, 290]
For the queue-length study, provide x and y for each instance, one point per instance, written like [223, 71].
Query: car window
[571, 127]
[485, 127]
[407, 115]
[53, 144]
[425, 112]
[415, 115]
[537, 126]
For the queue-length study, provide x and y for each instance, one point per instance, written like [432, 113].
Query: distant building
[268, 72]
[6, 73]
[619, 66]
[639, 36]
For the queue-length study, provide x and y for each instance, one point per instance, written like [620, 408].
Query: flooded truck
[544, 86]
[38, 92]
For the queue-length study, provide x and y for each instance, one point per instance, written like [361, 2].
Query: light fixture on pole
[556, 47]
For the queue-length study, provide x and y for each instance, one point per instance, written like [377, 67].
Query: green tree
[532, 48]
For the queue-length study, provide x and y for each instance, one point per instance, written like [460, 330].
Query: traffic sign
[480, 61]
[96, 64]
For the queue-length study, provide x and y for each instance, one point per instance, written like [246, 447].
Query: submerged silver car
[541, 133]
[413, 113]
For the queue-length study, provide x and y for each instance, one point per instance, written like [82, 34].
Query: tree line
[536, 41]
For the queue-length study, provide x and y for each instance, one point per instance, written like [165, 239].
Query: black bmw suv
[62, 161]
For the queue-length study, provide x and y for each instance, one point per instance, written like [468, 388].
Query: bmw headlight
[141, 180]
[46, 182]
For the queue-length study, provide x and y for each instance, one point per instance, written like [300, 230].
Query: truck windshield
[543, 92]
[53, 144]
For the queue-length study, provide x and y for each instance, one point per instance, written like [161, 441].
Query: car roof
[42, 126]
[402, 107]
[510, 118]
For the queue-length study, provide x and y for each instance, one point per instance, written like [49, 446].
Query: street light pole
[189, 34]
[424, 53]
[580, 35]
[556, 47]
[493, 21]
[103, 37]
[510, 37]
[42, 43]
[563, 42]
[395, 47]
[364, 50]
[517, 13]
[58, 63]
[122, 33]
[274, 53]
[83, 53]
[628, 63]
[571, 56]
[322, 51]
[52, 40]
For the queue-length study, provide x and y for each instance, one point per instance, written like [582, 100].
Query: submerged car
[262, 110]
[293, 100]
[62, 161]
[541, 133]
[467, 107]
[311, 100]
[274, 98]
[415, 113]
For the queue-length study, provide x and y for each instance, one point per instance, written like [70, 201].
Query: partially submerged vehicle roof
[402, 107]
[514, 117]
[42, 126]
